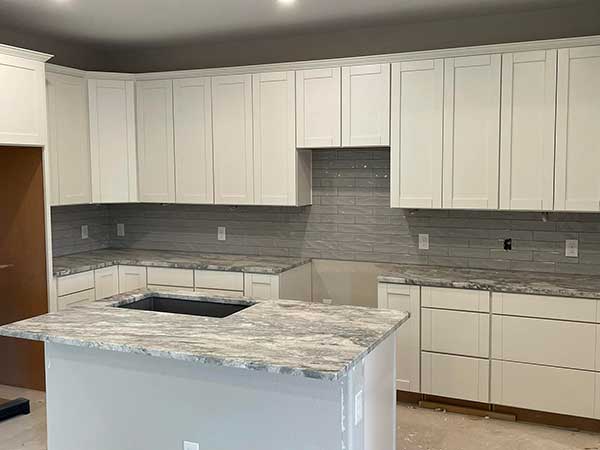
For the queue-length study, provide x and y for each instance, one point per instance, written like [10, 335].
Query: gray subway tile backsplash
[350, 220]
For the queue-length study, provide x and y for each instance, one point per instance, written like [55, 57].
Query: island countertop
[98, 259]
[288, 337]
[519, 282]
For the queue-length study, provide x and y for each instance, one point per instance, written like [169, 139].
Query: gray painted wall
[349, 220]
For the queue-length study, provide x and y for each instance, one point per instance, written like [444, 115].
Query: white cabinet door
[471, 132]
[455, 332]
[259, 286]
[550, 389]
[577, 131]
[455, 377]
[417, 123]
[112, 141]
[274, 104]
[68, 139]
[107, 282]
[132, 278]
[366, 105]
[232, 137]
[405, 298]
[319, 107]
[156, 158]
[527, 130]
[22, 102]
[193, 141]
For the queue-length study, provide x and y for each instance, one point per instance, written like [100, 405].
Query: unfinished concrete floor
[418, 429]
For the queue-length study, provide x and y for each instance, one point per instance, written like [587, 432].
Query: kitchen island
[244, 374]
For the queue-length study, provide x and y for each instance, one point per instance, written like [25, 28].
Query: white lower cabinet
[219, 282]
[262, 287]
[65, 301]
[106, 281]
[455, 332]
[550, 389]
[132, 278]
[455, 376]
[405, 298]
[162, 276]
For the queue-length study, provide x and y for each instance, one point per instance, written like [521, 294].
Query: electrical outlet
[221, 233]
[190, 445]
[121, 229]
[423, 242]
[358, 408]
[84, 232]
[572, 248]
[327, 301]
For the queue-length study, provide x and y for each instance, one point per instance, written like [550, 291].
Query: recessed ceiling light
[286, 2]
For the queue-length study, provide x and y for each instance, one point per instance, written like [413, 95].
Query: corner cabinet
[156, 156]
[319, 108]
[577, 185]
[417, 120]
[232, 138]
[22, 97]
[193, 140]
[471, 132]
[112, 141]
[68, 139]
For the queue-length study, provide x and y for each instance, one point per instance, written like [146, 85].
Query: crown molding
[24, 53]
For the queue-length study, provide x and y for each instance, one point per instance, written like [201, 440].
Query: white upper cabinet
[578, 130]
[112, 141]
[193, 140]
[156, 158]
[68, 139]
[527, 130]
[232, 137]
[22, 98]
[366, 105]
[319, 108]
[417, 121]
[471, 132]
[275, 154]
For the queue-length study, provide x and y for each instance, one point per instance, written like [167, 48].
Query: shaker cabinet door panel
[527, 133]
[192, 106]
[366, 105]
[577, 131]
[417, 121]
[232, 136]
[156, 159]
[472, 132]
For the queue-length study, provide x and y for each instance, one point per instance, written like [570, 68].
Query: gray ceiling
[152, 22]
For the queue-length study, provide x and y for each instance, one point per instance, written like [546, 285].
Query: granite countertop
[97, 259]
[283, 336]
[554, 284]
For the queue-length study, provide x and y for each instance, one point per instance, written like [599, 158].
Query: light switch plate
[191, 445]
[121, 229]
[84, 232]
[423, 242]
[572, 248]
[221, 233]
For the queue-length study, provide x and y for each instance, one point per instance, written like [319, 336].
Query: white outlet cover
[121, 229]
[423, 242]
[190, 445]
[221, 233]
[84, 232]
[572, 248]
[327, 301]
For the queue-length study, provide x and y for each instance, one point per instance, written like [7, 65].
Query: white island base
[104, 400]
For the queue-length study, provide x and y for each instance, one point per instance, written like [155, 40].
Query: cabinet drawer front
[132, 278]
[455, 376]
[550, 389]
[264, 287]
[580, 309]
[171, 277]
[78, 297]
[211, 279]
[460, 299]
[457, 332]
[163, 287]
[106, 282]
[542, 341]
[220, 292]
[75, 283]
